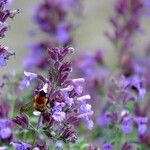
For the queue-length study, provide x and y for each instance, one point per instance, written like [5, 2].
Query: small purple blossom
[59, 116]
[21, 145]
[107, 146]
[6, 134]
[4, 56]
[105, 118]
[141, 123]
[127, 125]
[121, 90]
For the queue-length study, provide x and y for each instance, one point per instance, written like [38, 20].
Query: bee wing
[26, 107]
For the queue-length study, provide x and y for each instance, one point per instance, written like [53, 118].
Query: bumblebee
[39, 102]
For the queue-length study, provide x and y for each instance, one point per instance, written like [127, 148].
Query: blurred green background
[89, 36]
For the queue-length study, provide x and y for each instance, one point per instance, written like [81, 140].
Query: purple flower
[4, 56]
[21, 145]
[69, 133]
[58, 101]
[4, 14]
[107, 146]
[141, 123]
[5, 130]
[122, 89]
[126, 125]
[126, 22]
[52, 19]
[105, 118]
[85, 113]
[38, 56]
[29, 77]
[137, 84]
[58, 116]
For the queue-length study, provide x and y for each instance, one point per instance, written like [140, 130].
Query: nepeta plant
[54, 20]
[58, 105]
[5, 13]
[126, 22]
[117, 119]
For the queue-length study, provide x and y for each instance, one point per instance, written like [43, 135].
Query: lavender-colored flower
[127, 124]
[105, 118]
[21, 145]
[137, 66]
[91, 67]
[107, 146]
[5, 13]
[86, 112]
[52, 19]
[137, 84]
[141, 123]
[122, 89]
[5, 130]
[4, 56]
[59, 116]
[126, 23]
[29, 77]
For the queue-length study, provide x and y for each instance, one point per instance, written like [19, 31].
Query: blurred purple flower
[59, 116]
[122, 90]
[107, 146]
[127, 124]
[21, 145]
[141, 123]
[5, 13]
[105, 118]
[4, 56]
[6, 134]
[86, 112]
[52, 19]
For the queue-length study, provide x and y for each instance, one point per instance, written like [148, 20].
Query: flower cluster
[52, 18]
[92, 67]
[126, 22]
[117, 113]
[5, 13]
[58, 102]
[6, 125]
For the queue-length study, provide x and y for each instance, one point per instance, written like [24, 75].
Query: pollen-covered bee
[38, 103]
